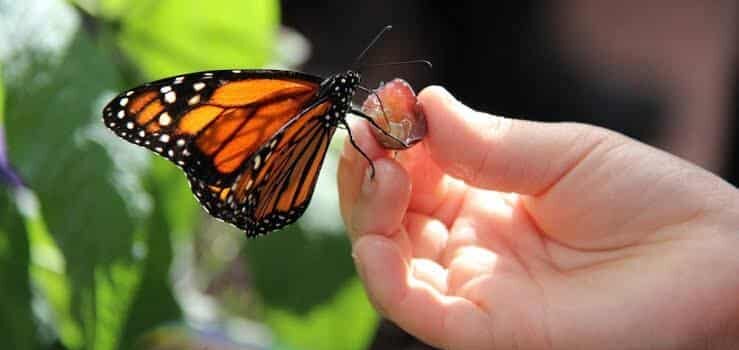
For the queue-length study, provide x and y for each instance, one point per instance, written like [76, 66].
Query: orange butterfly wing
[251, 142]
[209, 123]
[277, 183]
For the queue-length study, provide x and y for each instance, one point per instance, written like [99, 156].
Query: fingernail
[368, 184]
[358, 214]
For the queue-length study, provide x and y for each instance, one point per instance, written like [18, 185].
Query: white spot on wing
[257, 161]
[165, 119]
[170, 97]
[193, 100]
[198, 86]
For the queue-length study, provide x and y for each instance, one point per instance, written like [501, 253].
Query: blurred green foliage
[87, 250]
[16, 324]
[165, 38]
[341, 323]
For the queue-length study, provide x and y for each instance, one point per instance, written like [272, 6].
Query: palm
[464, 244]
[480, 249]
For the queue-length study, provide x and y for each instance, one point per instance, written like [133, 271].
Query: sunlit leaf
[48, 273]
[114, 285]
[178, 205]
[345, 322]
[50, 110]
[2, 97]
[154, 303]
[112, 8]
[168, 37]
[291, 260]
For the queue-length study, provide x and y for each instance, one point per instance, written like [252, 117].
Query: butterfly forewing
[210, 122]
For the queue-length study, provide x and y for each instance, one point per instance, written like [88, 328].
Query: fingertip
[352, 166]
[438, 104]
[417, 307]
[383, 269]
[434, 94]
[415, 304]
[382, 200]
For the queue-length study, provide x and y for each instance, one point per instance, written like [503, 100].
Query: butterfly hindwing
[277, 183]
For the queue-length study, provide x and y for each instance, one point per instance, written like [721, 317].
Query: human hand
[496, 233]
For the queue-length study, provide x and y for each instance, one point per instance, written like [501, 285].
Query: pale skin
[496, 233]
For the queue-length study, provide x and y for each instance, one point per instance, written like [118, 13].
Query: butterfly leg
[364, 116]
[351, 139]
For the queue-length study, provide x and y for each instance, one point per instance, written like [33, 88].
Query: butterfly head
[340, 88]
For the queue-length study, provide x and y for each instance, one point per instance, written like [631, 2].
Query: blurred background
[102, 246]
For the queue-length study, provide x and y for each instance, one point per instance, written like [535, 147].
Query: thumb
[499, 153]
[587, 186]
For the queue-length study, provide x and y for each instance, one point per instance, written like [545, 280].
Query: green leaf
[345, 322]
[113, 8]
[171, 190]
[2, 98]
[48, 275]
[114, 287]
[17, 327]
[154, 303]
[168, 37]
[290, 260]
[54, 132]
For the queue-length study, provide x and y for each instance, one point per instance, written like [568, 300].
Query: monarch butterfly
[251, 142]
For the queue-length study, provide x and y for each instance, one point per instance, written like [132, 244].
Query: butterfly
[251, 142]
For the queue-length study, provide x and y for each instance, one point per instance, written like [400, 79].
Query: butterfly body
[251, 142]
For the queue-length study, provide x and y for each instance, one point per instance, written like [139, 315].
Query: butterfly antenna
[372, 43]
[424, 62]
